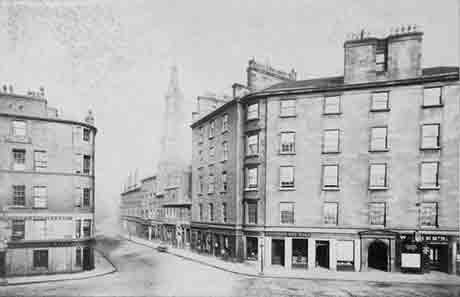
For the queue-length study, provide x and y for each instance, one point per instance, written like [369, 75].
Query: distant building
[351, 172]
[163, 211]
[46, 187]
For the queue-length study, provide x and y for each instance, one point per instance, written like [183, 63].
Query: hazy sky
[114, 56]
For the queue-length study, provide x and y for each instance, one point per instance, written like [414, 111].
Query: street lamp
[262, 255]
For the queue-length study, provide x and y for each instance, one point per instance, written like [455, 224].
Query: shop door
[2, 264]
[322, 253]
[278, 252]
[378, 255]
[299, 253]
[439, 256]
[86, 258]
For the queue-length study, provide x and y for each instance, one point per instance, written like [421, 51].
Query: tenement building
[160, 206]
[46, 187]
[351, 172]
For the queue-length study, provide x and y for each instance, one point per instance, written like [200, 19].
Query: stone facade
[46, 188]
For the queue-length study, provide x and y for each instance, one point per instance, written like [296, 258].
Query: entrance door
[378, 255]
[2, 264]
[299, 253]
[322, 253]
[278, 252]
[86, 258]
[439, 255]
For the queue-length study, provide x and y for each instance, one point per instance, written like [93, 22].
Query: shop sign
[289, 234]
[410, 260]
[437, 238]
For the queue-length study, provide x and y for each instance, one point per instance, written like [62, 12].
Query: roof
[337, 81]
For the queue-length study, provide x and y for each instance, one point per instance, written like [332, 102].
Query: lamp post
[262, 255]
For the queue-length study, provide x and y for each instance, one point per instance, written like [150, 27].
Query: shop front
[216, 242]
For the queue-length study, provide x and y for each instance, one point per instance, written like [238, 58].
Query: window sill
[288, 116]
[287, 189]
[251, 189]
[429, 227]
[223, 192]
[287, 153]
[287, 224]
[375, 188]
[331, 188]
[379, 150]
[252, 119]
[435, 148]
[223, 161]
[426, 188]
[224, 131]
[331, 224]
[252, 156]
[375, 226]
[433, 106]
[16, 206]
[332, 113]
[330, 152]
[18, 139]
[380, 110]
[35, 207]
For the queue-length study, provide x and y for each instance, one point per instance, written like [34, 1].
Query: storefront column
[357, 254]
[150, 233]
[392, 247]
[268, 251]
[288, 252]
[332, 257]
[453, 258]
[311, 253]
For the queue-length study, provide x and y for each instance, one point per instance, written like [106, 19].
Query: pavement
[103, 266]
[252, 269]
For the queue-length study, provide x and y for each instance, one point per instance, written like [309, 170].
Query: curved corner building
[46, 188]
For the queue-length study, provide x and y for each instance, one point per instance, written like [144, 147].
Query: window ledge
[432, 106]
[331, 188]
[35, 207]
[429, 227]
[287, 153]
[16, 206]
[330, 224]
[252, 156]
[224, 131]
[435, 148]
[252, 119]
[223, 161]
[287, 189]
[332, 113]
[330, 152]
[251, 189]
[18, 139]
[429, 187]
[288, 116]
[379, 150]
[380, 109]
[223, 192]
[375, 188]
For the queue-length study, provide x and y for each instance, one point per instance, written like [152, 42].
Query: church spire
[173, 81]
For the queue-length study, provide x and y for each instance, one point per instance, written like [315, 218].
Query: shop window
[78, 257]
[345, 255]
[40, 259]
[251, 248]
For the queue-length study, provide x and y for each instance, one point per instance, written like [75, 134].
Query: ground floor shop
[223, 243]
[33, 258]
[353, 251]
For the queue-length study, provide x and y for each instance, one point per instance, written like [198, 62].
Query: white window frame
[336, 105]
[438, 102]
[376, 101]
[288, 107]
[426, 144]
[287, 145]
[327, 216]
[327, 136]
[431, 185]
[252, 111]
[40, 160]
[249, 184]
[375, 141]
[22, 128]
[284, 208]
[374, 213]
[326, 184]
[40, 196]
[249, 144]
[373, 176]
[284, 182]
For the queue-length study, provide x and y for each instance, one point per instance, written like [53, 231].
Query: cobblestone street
[145, 272]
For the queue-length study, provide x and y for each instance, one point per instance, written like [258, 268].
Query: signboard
[288, 234]
[410, 260]
[345, 250]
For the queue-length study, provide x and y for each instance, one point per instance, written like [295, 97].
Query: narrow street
[146, 272]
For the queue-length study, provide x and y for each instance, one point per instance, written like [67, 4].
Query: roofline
[213, 113]
[28, 97]
[56, 120]
[450, 76]
[149, 177]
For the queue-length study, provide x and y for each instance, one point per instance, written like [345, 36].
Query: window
[429, 214]
[287, 177]
[252, 111]
[40, 197]
[211, 212]
[18, 229]
[252, 144]
[41, 259]
[287, 142]
[212, 181]
[19, 195]
[201, 211]
[332, 105]
[39, 232]
[432, 97]
[86, 134]
[212, 151]
[330, 213]
[201, 131]
[86, 197]
[331, 141]
[429, 175]
[380, 101]
[430, 136]
[380, 61]
[225, 151]
[379, 138]
[377, 213]
[251, 177]
[200, 184]
[200, 155]
[86, 228]
[78, 257]
[378, 176]
[225, 123]
[40, 160]
[19, 157]
[212, 126]
[19, 128]
[287, 108]
[224, 212]
[287, 212]
[330, 176]
[86, 164]
[224, 181]
[252, 212]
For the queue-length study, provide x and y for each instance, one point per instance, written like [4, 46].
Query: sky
[114, 57]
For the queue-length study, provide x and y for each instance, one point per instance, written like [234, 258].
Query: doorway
[322, 253]
[439, 255]
[278, 252]
[87, 258]
[2, 264]
[299, 253]
[378, 255]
